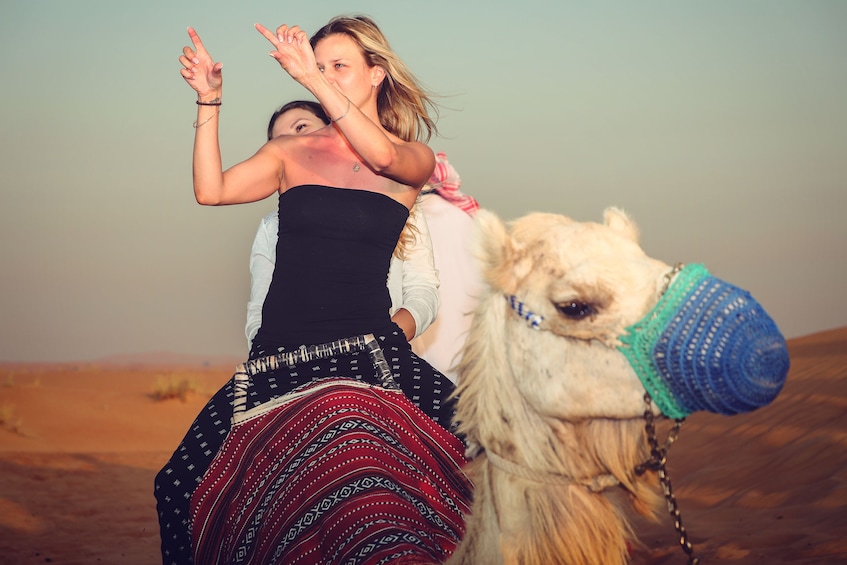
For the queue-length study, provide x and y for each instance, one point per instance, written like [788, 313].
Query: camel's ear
[493, 248]
[620, 221]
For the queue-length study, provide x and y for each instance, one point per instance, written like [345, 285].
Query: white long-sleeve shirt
[412, 282]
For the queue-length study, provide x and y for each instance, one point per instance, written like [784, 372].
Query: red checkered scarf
[446, 182]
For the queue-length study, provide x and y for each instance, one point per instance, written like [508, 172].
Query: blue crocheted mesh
[707, 345]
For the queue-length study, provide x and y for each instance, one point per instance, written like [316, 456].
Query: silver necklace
[355, 167]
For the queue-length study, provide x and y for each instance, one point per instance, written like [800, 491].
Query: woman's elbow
[206, 201]
[383, 161]
[205, 198]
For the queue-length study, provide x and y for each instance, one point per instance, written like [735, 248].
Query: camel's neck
[595, 483]
[515, 520]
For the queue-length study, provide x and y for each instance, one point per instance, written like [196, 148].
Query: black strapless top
[332, 260]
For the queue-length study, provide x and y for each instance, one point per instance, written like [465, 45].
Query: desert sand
[80, 444]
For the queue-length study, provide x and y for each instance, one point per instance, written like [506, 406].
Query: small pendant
[356, 167]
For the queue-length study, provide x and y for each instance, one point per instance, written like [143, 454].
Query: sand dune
[80, 444]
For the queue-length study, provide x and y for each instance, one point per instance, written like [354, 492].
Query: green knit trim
[642, 336]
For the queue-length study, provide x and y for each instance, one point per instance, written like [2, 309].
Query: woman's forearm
[403, 318]
[207, 164]
[401, 162]
[369, 141]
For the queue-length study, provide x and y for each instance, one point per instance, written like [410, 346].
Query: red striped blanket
[339, 472]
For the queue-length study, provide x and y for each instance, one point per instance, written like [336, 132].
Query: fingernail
[195, 60]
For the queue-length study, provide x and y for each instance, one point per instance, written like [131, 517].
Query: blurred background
[720, 127]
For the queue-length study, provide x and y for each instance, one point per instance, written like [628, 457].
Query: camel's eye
[576, 310]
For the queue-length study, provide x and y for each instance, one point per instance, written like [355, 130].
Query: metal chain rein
[658, 458]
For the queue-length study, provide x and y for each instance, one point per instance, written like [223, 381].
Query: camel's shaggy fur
[562, 401]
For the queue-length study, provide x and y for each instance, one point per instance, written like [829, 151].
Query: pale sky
[721, 127]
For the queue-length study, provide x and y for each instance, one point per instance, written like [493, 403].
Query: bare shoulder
[283, 143]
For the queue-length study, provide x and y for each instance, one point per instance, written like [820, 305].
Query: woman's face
[342, 62]
[296, 121]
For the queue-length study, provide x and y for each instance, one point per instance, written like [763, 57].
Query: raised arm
[250, 180]
[409, 163]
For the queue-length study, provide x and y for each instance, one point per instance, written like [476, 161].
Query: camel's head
[591, 321]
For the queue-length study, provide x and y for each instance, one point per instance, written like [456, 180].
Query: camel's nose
[762, 366]
[708, 345]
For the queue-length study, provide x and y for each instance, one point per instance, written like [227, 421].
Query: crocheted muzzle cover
[707, 345]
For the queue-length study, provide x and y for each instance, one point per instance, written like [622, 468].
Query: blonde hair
[410, 233]
[403, 104]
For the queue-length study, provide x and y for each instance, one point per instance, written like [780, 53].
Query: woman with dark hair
[331, 443]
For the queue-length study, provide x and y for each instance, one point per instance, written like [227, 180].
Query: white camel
[546, 393]
[576, 325]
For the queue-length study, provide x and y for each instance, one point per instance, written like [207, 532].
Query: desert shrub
[173, 386]
[8, 420]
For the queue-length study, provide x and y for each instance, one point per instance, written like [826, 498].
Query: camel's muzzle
[707, 345]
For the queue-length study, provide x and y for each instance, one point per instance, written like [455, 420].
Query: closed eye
[576, 310]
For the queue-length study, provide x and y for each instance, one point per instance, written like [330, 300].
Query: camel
[566, 366]
[547, 394]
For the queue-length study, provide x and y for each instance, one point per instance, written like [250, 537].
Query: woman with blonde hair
[412, 278]
[331, 443]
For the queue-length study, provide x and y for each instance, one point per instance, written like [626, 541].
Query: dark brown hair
[307, 105]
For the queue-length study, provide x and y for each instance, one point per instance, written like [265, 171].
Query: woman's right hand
[199, 70]
[292, 51]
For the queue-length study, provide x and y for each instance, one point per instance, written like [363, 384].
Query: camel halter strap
[596, 484]
[534, 320]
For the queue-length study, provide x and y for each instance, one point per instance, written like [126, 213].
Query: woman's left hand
[292, 51]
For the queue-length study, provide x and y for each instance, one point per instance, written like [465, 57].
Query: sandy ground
[81, 443]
